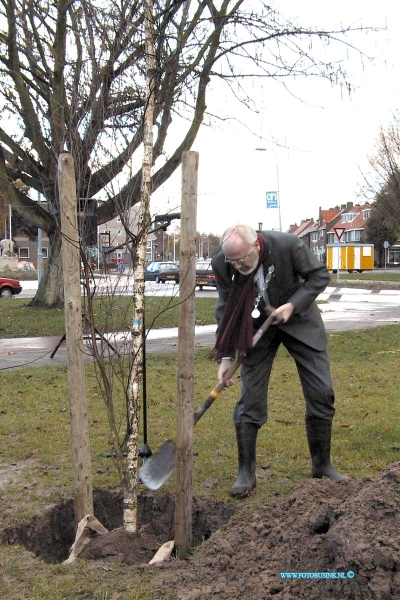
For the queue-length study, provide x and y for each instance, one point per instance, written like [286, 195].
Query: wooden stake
[186, 341]
[81, 463]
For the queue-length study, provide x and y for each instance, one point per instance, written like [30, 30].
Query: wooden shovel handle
[230, 372]
[215, 392]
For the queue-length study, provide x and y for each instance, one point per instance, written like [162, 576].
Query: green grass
[35, 447]
[378, 277]
[112, 313]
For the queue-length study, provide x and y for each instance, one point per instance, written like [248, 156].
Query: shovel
[160, 466]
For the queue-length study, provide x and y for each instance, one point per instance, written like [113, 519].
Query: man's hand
[282, 314]
[225, 364]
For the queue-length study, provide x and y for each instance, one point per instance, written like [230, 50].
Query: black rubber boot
[319, 434]
[246, 437]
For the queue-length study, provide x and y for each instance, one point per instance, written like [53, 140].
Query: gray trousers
[313, 369]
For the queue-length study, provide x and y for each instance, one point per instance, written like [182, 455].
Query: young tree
[138, 333]
[74, 80]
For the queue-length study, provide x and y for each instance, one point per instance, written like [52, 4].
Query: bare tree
[380, 229]
[382, 182]
[74, 80]
[382, 187]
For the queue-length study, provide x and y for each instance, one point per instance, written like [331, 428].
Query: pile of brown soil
[322, 526]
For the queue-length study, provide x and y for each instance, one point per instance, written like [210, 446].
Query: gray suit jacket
[298, 277]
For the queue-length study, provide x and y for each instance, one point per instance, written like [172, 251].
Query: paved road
[120, 284]
[345, 310]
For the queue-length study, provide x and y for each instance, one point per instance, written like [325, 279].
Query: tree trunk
[50, 293]
[130, 483]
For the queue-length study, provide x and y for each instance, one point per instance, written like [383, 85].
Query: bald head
[240, 245]
[238, 233]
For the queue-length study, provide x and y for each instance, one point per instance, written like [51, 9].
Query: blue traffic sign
[272, 199]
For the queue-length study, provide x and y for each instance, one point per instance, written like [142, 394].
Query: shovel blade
[159, 467]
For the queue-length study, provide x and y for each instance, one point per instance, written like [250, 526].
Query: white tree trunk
[135, 379]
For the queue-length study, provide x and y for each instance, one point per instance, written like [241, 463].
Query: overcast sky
[317, 136]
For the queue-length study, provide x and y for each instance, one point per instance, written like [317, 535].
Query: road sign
[339, 231]
[386, 244]
[272, 199]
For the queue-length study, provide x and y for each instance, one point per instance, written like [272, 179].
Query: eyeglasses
[238, 260]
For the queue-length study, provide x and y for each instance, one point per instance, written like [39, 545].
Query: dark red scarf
[236, 328]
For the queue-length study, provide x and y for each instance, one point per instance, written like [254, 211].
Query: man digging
[255, 272]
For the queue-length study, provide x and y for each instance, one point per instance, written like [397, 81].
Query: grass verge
[35, 463]
[112, 313]
[376, 276]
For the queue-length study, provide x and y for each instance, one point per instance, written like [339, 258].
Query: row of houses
[349, 219]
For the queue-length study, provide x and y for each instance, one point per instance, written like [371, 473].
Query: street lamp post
[277, 182]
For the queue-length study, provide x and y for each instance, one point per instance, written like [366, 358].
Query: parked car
[9, 287]
[204, 274]
[162, 271]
